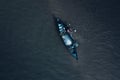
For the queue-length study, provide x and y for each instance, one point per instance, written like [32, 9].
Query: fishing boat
[65, 33]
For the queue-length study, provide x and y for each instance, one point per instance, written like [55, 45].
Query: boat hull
[66, 37]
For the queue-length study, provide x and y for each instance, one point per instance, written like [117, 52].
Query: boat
[66, 36]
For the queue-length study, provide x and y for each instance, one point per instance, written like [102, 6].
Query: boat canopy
[67, 40]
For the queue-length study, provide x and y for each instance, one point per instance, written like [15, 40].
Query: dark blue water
[30, 48]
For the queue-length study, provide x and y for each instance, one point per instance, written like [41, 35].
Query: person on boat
[69, 29]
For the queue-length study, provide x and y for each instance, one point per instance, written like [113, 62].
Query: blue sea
[31, 49]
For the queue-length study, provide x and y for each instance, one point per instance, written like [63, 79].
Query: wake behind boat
[66, 36]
